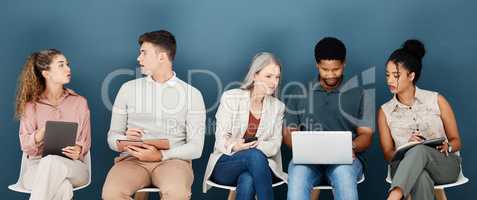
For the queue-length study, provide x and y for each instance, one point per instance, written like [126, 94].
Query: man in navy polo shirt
[327, 106]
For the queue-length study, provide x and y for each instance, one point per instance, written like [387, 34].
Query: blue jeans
[343, 179]
[249, 171]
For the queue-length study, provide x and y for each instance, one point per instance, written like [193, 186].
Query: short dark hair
[410, 57]
[330, 48]
[163, 39]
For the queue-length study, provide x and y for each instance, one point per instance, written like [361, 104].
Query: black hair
[330, 48]
[410, 57]
[163, 39]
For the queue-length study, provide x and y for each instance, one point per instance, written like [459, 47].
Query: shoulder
[388, 107]
[79, 100]
[427, 93]
[428, 97]
[130, 85]
[29, 108]
[133, 82]
[189, 88]
[277, 103]
[235, 94]
[355, 92]
[230, 99]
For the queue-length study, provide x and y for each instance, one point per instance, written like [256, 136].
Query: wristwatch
[449, 147]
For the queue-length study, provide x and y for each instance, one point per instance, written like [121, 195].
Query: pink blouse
[72, 108]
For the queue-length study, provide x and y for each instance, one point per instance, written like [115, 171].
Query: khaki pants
[173, 177]
[53, 177]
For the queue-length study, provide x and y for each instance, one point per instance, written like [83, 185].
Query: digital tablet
[59, 135]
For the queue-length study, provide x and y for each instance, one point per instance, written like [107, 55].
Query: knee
[112, 191]
[344, 171]
[176, 192]
[299, 177]
[343, 175]
[50, 159]
[255, 156]
[109, 193]
[55, 163]
[299, 187]
[418, 150]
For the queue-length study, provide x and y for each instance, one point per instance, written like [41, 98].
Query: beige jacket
[232, 122]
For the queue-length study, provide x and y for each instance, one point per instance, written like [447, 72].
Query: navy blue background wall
[99, 37]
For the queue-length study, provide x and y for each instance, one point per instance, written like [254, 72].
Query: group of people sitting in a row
[162, 106]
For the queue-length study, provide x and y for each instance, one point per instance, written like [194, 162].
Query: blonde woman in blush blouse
[42, 97]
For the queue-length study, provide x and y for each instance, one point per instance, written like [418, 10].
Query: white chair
[143, 193]
[439, 189]
[316, 190]
[232, 188]
[18, 187]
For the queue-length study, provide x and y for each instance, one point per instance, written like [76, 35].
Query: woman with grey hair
[249, 133]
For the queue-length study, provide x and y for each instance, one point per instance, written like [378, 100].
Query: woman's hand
[416, 137]
[243, 146]
[40, 135]
[444, 148]
[72, 152]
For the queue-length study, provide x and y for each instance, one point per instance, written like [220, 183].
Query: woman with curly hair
[42, 97]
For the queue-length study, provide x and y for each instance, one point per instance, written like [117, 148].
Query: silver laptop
[322, 147]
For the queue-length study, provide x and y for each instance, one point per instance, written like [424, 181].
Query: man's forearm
[363, 140]
[287, 139]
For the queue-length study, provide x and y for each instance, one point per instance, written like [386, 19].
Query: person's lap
[302, 177]
[77, 170]
[228, 168]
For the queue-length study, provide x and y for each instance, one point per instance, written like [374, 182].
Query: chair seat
[150, 189]
[460, 181]
[18, 188]
[328, 187]
[233, 188]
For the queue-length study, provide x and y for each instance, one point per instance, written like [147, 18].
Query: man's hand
[72, 152]
[243, 146]
[145, 153]
[134, 134]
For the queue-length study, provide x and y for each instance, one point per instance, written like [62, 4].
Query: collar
[316, 86]
[66, 92]
[171, 82]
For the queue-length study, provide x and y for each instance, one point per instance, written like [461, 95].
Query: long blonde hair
[31, 82]
[259, 61]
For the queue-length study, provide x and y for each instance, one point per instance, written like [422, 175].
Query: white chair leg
[141, 196]
[440, 194]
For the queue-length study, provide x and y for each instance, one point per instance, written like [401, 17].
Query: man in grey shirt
[322, 108]
[158, 106]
